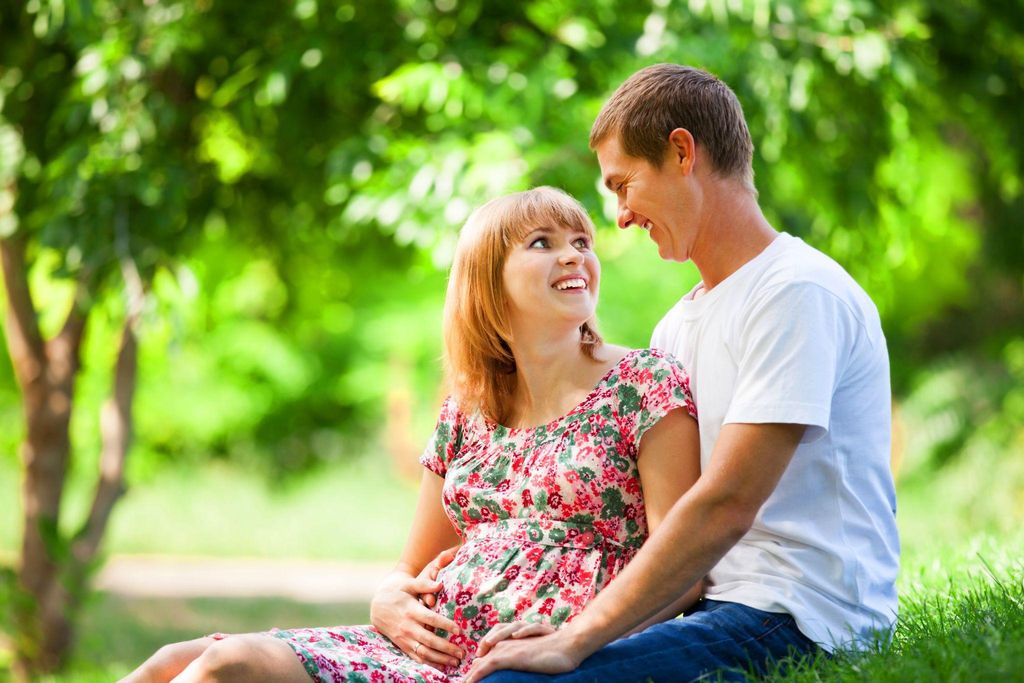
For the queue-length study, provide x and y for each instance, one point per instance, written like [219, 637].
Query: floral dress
[547, 515]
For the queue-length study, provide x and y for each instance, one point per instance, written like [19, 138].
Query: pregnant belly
[525, 570]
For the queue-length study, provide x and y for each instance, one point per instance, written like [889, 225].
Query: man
[793, 518]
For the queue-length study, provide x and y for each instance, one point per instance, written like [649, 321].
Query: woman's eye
[539, 243]
[581, 243]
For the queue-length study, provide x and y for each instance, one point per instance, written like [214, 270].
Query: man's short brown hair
[660, 98]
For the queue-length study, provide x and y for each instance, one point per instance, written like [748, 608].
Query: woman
[552, 459]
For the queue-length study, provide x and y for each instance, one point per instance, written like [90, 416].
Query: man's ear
[683, 149]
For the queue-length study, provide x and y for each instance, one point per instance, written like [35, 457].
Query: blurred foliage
[290, 177]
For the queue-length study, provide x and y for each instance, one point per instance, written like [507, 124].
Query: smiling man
[792, 521]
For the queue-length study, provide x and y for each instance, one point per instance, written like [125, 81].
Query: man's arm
[748, 461]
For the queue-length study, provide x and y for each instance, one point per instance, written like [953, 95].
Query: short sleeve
[651, 386]
[789, 354]
[446, 441]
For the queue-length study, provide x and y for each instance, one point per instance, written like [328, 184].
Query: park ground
[311, 551]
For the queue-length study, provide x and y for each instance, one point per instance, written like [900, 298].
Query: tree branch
[116, 423]
[24, 341]
[64, 350]
[116, 430]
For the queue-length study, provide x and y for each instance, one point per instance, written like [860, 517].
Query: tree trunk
[46, 374]
[53, 571]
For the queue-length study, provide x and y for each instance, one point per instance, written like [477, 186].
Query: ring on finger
[416, 649]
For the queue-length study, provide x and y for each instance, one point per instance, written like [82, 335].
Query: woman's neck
[552, 378]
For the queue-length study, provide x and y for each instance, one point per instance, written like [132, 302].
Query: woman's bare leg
[249, 658]
[168, 661]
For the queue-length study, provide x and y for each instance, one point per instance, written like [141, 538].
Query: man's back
[791, 338]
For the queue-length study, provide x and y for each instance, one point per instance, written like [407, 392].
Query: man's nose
[625, 218]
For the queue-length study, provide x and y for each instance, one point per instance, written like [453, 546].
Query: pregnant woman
[553, 458]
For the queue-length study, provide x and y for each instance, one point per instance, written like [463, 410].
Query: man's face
[658, 200]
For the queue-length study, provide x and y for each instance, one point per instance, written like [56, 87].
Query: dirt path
[185, 577]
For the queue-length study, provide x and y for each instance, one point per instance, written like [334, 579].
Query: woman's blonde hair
[480, 367]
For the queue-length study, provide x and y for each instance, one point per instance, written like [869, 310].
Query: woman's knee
[246, 658]
[168, 661]
[225, 660]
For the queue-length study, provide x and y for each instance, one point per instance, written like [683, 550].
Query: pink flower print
[632, 487]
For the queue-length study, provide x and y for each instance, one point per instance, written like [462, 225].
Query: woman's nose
[570, 254]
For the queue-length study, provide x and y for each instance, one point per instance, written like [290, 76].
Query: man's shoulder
[798, 266]
[797, 262]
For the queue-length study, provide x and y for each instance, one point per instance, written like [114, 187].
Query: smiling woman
[480, 301]
[553, 458]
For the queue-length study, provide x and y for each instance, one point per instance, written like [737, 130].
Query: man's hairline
[610, 133]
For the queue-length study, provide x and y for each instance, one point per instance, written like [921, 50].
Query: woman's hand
[433, 568]
[400, 611]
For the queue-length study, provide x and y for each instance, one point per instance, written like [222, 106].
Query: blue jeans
[714, 638]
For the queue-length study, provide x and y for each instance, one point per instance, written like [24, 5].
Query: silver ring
[416, 649]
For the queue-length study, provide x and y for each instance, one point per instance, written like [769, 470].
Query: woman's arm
[669, 464]
[396, 610]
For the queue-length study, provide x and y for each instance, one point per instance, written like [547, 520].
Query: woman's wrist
[395, 579]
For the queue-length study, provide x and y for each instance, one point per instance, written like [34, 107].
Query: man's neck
[734, 231]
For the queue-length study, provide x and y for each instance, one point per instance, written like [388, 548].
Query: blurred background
[226, 226]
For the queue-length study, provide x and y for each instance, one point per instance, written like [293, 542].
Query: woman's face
[552, 275]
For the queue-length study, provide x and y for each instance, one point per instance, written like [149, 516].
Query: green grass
[973, 631]
[357, 511]
[117, 633]
[961, 586]
[967, 625]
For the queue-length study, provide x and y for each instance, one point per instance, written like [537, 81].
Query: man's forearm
[673, 559]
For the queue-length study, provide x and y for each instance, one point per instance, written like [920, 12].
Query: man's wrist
[579, 641]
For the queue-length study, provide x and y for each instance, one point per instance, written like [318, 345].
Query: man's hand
[399, 611]
[524, 647]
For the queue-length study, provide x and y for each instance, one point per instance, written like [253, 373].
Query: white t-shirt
[791, 338]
